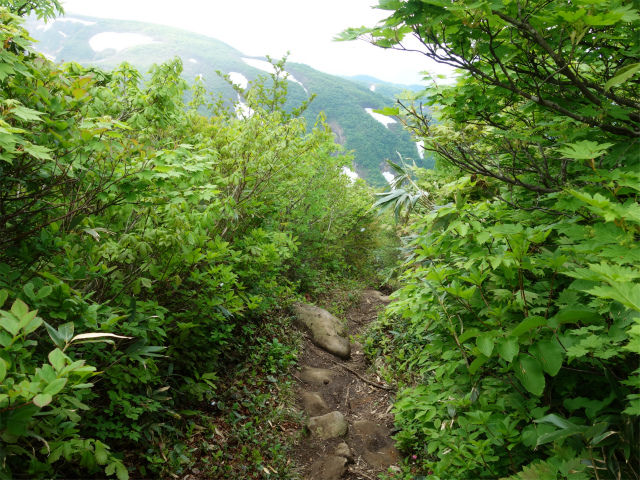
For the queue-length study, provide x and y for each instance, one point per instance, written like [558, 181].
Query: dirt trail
[328, 385]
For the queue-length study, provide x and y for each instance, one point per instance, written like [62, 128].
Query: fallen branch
[377, 385]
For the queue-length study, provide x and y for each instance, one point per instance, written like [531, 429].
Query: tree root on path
[377, 385]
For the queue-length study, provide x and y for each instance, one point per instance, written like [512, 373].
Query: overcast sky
[273, 27]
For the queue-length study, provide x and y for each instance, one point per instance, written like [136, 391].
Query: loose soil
[357, 399]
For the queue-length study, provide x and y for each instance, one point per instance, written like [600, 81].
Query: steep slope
[347, 104]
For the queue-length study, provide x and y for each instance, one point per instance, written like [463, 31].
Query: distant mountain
[391, 90]
[347, 103]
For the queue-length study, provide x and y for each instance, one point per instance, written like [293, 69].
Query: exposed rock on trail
[325, 330]
[348, 426]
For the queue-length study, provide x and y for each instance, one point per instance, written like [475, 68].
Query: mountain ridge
[348, 104]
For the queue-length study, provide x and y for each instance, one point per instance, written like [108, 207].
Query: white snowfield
[239, 79]
[267, 67]
[193, 60]
[350, 173]
[388, 176]
[383, 119]
[48, 25]
[372, 88]
[118, 41]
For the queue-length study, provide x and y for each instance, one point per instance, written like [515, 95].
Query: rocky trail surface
[348, 426]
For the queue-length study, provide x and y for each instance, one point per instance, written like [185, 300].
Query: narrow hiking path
[348, 426]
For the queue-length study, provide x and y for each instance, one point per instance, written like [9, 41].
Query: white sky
[262, 27]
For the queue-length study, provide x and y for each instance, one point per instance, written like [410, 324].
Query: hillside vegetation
[148, 254]
[515, 335]
[343, 101]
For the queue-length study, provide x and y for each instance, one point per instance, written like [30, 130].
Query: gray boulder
[325, 330]
[327, 426]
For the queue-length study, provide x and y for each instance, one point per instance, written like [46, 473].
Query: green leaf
[508, 348]
[627, 294]
[66, 331]
[622, 75]
[529, 323]
[26, 114]
[485, 344]
[9, 323]
[57, 359]
[121, 471]
[550, 356]
[55, 386]
[38, 151]
[477, 363]
[42, 400]
[529, 372]
[101, 453]
[3, 369]
[19, 308]
[3, 297]
[55, 336]
[573, 314]
[468, 334]
[584, 150]
[18, 419]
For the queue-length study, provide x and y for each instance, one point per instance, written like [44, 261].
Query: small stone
[328, 426]
[317, 376]
[314, 404]
[343, 450]
[331, 468]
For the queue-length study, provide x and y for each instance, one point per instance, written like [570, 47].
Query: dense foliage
[142, 245]
[517, 325]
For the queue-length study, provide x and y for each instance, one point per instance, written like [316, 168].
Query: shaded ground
[351, 392]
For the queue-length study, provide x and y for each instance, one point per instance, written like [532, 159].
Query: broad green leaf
[66, 331]
[573, 314]
[477, 363]
[38, 151]
[527, 324]
[26, 114]
[627, 294]
[101, 453]
[55, 336]
[485, 344]
[19, 308]
[529, 372]
[42, 400]
[550, 354]
[3, 369]
[55, 386]
[18, 419]
[468, 334]
[622, 75]
[121, 472]
[3, 297]
[9, 323]
[57, 359]
[584, 150]
[508, 348]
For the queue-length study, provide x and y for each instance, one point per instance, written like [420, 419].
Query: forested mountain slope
[107, 43]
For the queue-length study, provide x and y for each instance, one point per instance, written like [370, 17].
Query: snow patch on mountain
[420, 146]
[350, 173]
[239, 79]
[372, 88]
[267, 67]
[46, 26]
[118, 41]
[383, 119]
[388, 176]
[63, 34]
[193, 60]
